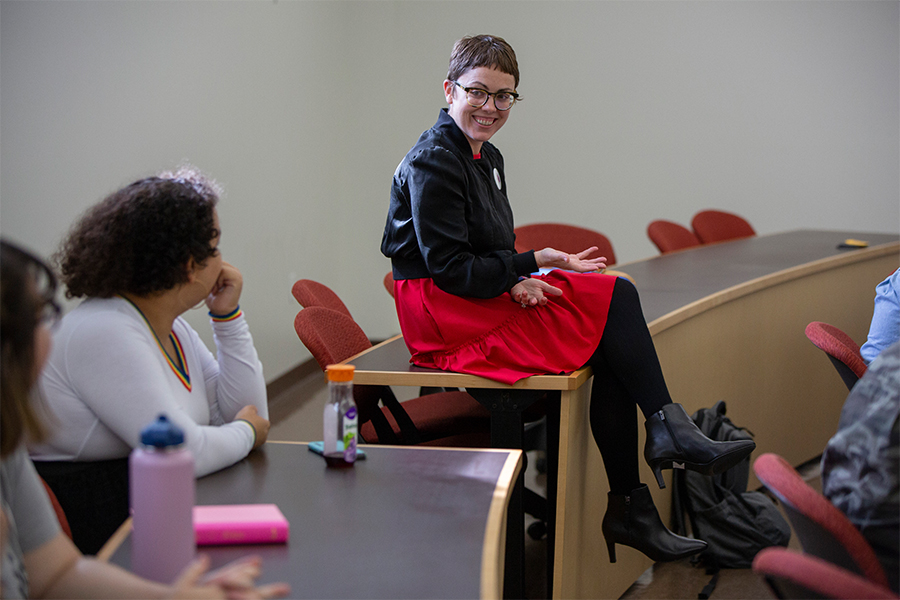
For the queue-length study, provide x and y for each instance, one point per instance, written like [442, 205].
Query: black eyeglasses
[478, 97]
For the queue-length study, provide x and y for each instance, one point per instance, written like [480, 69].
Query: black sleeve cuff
[524, 263]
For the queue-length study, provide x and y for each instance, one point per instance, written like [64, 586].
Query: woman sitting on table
[142, 257]
[38, 560]
[467, 303]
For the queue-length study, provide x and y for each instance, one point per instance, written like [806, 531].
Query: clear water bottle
[161, 474]
[339, 420]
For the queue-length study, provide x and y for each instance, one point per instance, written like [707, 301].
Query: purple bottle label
[350, 430]
[350, 447]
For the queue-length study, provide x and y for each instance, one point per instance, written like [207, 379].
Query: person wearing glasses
[467, 302]
[38, 560]
[141, 258]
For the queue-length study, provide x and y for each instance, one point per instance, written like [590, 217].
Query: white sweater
[107, 378]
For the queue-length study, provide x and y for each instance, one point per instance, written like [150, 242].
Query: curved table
[728, 323]
[403, 523]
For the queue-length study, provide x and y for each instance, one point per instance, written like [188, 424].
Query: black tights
[626, 372]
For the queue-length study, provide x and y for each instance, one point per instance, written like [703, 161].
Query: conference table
[406, 522]
[728, 323]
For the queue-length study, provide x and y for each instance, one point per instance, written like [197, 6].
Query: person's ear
[191, 269]
[448, 90]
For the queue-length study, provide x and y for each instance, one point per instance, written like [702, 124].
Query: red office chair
[312, 293]
[823, 530]
[793, 575]
[669, 236]
[718, 226]
[566, 238]
[436, 418]
[442, 419]
[389, 283]
[58, 509]
[843, 352]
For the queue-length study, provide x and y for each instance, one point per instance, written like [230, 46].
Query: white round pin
[497, 179]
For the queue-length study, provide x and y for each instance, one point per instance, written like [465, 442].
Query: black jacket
[450, 218]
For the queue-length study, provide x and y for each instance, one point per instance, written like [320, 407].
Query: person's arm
[115, 369]
[885, 327]
[58, 570]
[234, 378]
[439, 202]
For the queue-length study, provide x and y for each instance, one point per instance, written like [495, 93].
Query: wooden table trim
[435, 378]
[494, 546]
[113, 543]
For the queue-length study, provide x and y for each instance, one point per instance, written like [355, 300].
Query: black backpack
[734, 523]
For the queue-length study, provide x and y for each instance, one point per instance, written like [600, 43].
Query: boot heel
[657, 470]
[632, 520]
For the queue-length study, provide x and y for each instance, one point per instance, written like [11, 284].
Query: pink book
[240, 524]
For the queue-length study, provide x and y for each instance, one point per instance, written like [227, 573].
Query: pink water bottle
[162, 503]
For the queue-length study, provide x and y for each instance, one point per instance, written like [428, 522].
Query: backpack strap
[710, 587]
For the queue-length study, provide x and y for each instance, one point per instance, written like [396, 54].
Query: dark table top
[404, 523]
[671, 281]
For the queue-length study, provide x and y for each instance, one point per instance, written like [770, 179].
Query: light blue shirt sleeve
[885, 327]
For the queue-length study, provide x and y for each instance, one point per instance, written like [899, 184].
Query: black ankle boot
[632, 520]
[673, 437]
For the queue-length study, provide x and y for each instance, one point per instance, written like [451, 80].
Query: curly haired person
[141, 258]
[38, 559]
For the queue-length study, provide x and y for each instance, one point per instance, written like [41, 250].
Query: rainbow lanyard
[181, 368]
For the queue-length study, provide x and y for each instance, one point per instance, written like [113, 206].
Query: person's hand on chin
[225, 294]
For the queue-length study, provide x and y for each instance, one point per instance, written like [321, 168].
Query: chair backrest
[312, 293]
[669, 237]
[332, 337]
[843, 352]
[718, 226]
[389, 283]
[793, 575]
[823, 530]
[563, 237]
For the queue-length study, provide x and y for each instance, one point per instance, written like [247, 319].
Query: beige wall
[786, 112]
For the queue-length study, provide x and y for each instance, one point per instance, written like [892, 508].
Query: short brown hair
[475, 51]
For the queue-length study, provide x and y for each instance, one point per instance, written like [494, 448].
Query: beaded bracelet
[229, 317]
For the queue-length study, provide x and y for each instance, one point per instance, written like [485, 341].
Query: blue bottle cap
[162, 433]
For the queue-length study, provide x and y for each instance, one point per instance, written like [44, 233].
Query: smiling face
[478, 124]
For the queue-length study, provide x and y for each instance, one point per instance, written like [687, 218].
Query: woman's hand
[548, 257]
[235, 580]
[225, 294]
[533, 292]
[250, 414]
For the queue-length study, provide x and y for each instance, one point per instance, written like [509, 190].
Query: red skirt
[497, 338]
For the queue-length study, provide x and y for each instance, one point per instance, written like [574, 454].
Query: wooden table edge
[494, 545]
[115, 540]
[429, 377]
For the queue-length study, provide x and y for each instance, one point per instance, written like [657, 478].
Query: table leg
[553, 403]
